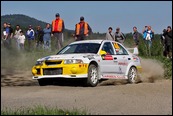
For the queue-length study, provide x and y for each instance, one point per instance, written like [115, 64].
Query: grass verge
[42, 110]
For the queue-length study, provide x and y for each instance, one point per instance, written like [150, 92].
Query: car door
[122, 57]
[108, 64]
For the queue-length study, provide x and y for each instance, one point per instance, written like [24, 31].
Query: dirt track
[141, 98]
[152, 96]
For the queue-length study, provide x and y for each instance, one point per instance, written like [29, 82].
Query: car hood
[67, 56]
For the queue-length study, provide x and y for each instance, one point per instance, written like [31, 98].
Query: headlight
[73, 61]
[39, 63]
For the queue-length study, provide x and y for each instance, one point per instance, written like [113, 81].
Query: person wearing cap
[168, 42]
[119, 36]
[58, 28]
[30, 37]
[109, 34]
[82, 30]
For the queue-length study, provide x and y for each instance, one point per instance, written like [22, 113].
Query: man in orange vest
[82, 30]
[57, 30]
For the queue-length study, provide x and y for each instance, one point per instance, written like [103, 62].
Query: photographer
[168, 42]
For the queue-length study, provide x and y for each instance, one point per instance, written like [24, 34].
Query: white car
[90, 59]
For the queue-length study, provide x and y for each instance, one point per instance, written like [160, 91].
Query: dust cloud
[15, 70]
[152, 70]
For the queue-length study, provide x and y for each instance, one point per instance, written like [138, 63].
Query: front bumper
[60, 71]
[60, 76]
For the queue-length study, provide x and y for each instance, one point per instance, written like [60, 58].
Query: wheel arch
[128, 68]
[95, 63]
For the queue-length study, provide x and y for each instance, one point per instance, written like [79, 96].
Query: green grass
[42, 110]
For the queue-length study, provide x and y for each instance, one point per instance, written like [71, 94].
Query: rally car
[92, 60]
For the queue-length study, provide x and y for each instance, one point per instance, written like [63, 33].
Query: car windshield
[80, 48]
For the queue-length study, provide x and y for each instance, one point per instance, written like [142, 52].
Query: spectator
[10, 34]
[39, 37]
[148, 35]
[21, 40]
[82, 30]
[136, 36]
[30, 37]
[109, 34]
[168, 42]
[58, 28]
[162, 42]
[11, 30]
[47, 37]
[16, 35]
[119, 36]
[6, 36]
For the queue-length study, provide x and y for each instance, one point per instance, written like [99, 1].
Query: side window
[119, 49]
[107, 47]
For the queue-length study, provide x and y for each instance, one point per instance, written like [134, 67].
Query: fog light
[74, 70]
[34, 71]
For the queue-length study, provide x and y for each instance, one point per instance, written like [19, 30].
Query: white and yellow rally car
[90, 59]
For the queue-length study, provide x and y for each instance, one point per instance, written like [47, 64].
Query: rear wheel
[133, 75]
[93, 76]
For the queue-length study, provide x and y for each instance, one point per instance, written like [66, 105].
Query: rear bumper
[60, 76]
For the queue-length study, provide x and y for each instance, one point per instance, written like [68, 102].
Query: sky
[99, 14]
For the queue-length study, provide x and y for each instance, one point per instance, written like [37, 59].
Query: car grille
[52, 62]
[52, 71]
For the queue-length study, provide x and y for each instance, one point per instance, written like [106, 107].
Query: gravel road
[153, 96]
[124, 99]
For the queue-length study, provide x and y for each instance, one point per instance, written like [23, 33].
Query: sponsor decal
[123, 63]
[82, 65]
[120, 70]
[107, 57]
[53, 58]
[114, 76]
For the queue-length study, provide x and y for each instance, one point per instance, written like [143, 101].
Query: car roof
[92, 41]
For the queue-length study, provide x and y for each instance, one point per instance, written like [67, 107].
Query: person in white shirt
[21, 40]
[109, 34]
[16, 35]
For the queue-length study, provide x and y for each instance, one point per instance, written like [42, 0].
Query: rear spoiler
[133, 50]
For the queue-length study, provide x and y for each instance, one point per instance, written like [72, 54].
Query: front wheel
[93, 77]
[133, 75]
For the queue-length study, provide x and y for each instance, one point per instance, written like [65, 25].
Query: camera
[164, 30]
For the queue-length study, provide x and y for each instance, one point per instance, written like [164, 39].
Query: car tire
[133, 75]
[93, 77]
[42, 82]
